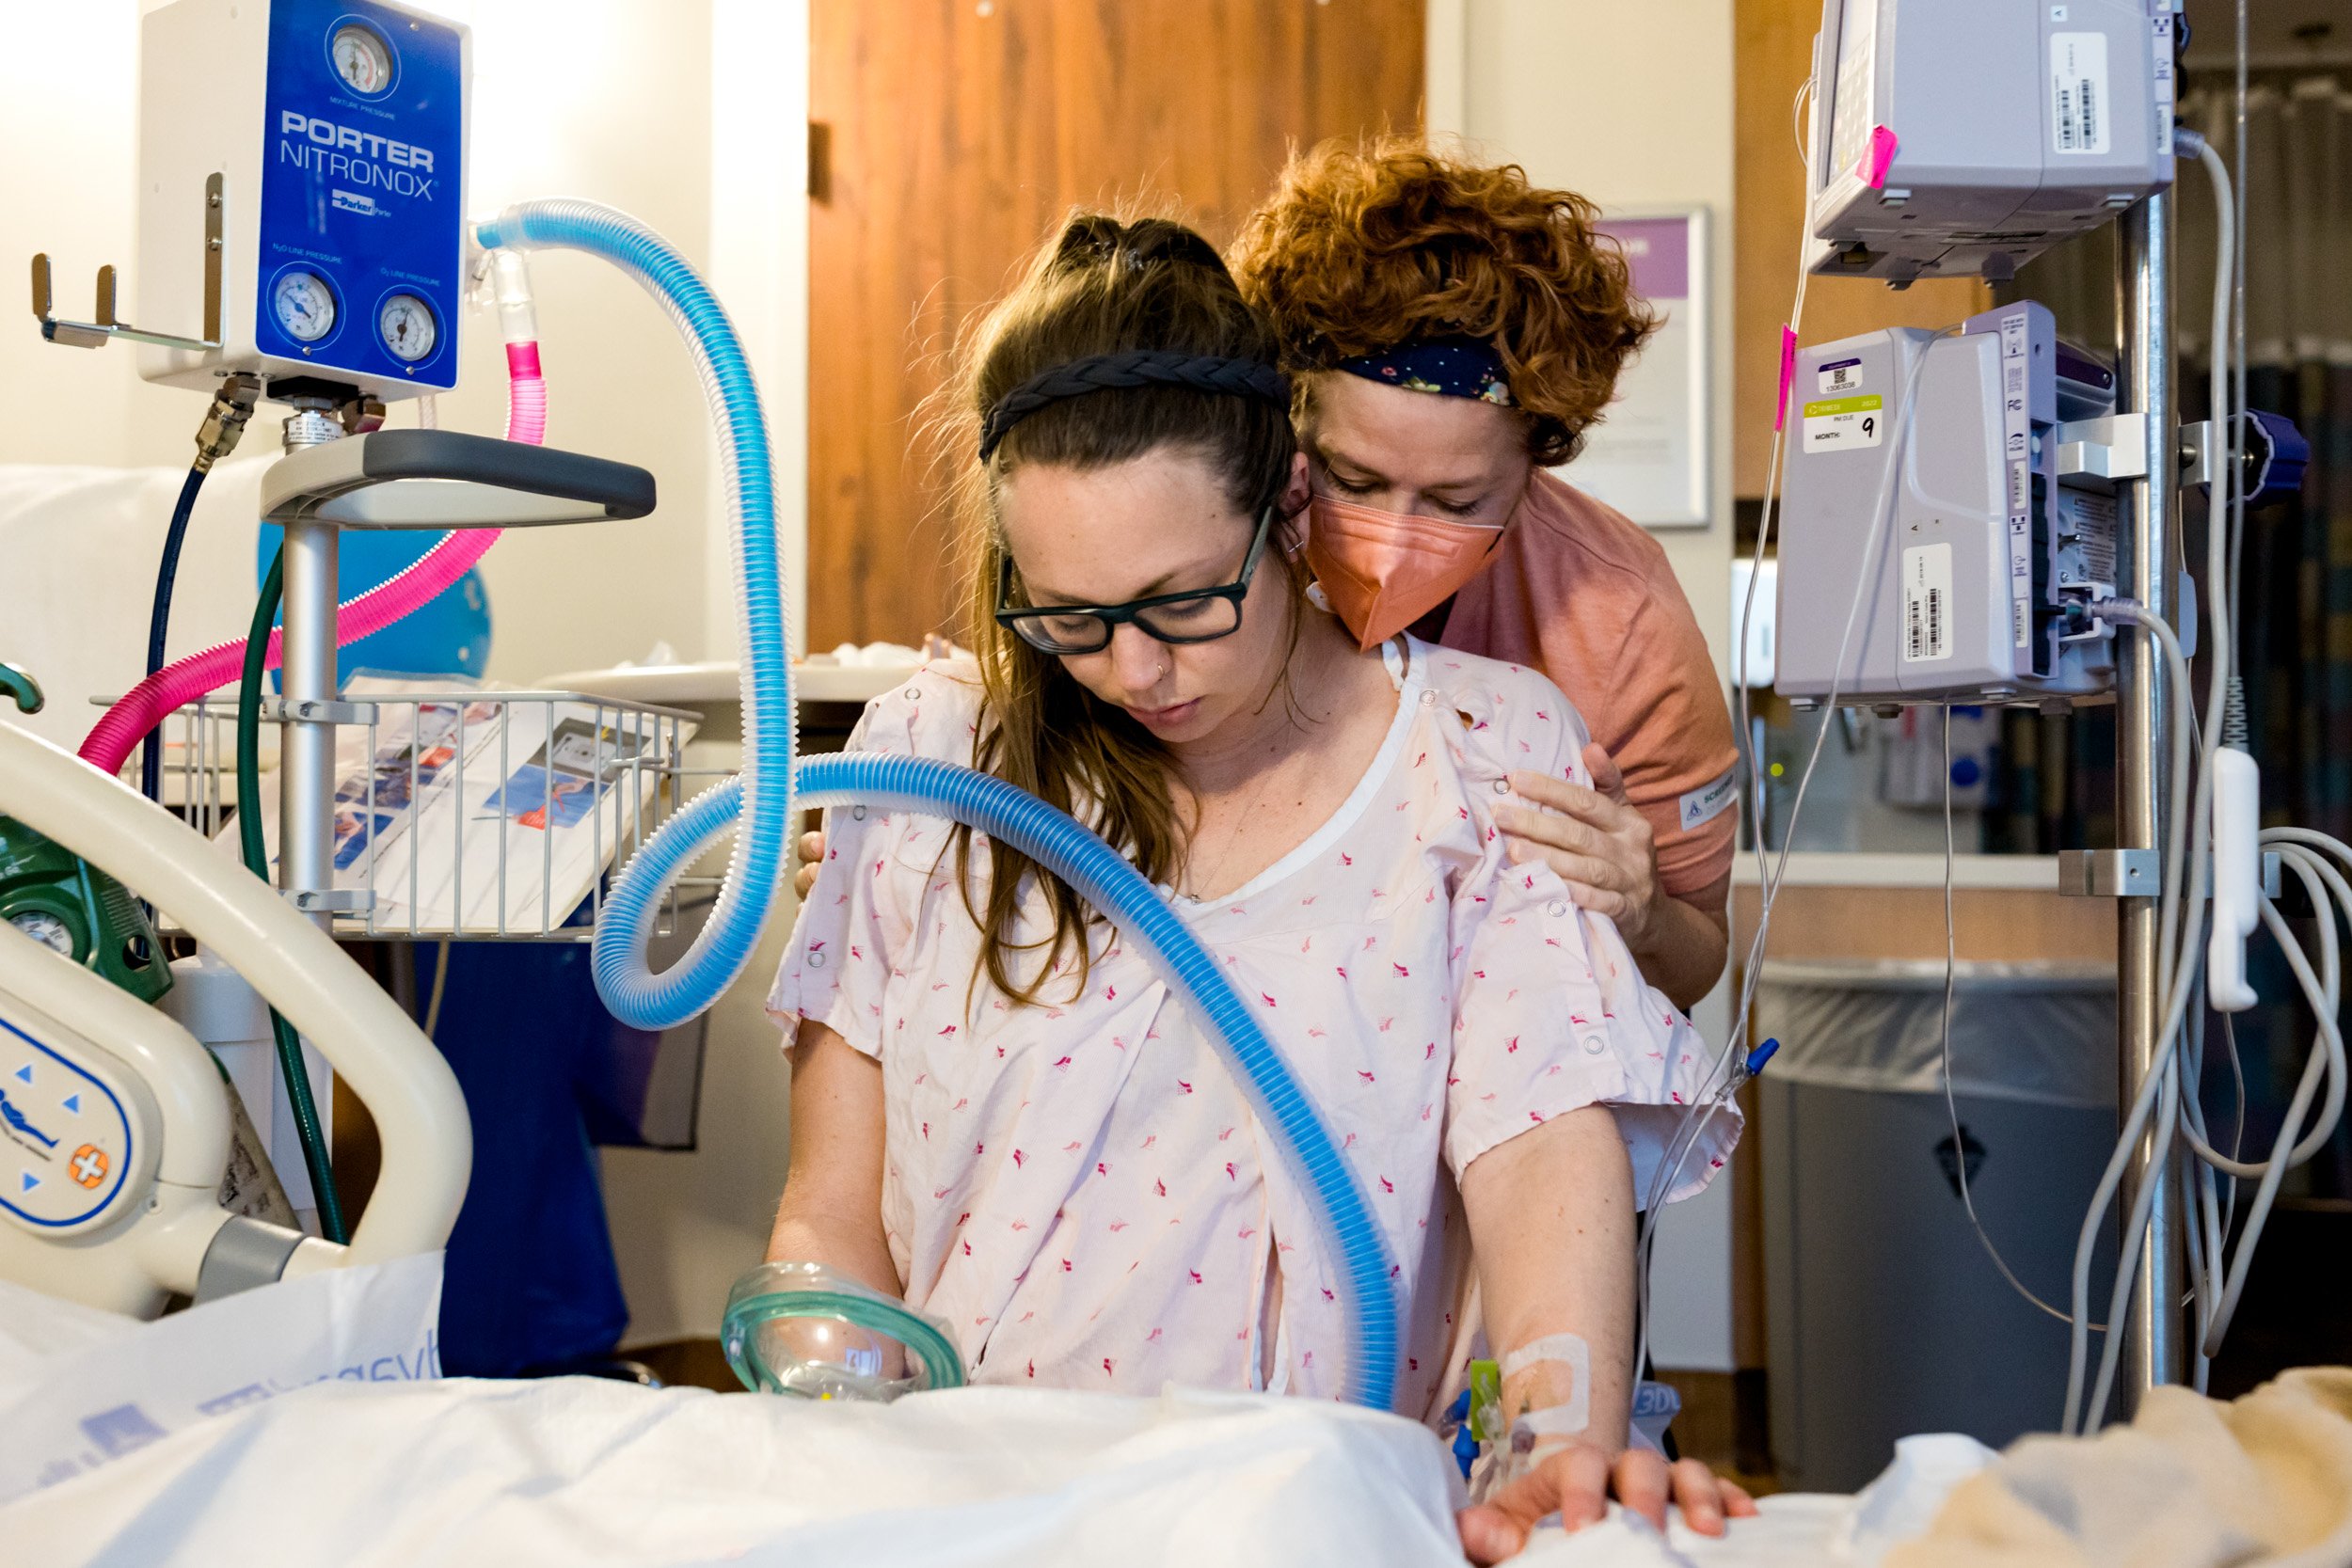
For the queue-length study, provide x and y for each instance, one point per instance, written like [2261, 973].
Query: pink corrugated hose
[126, 723]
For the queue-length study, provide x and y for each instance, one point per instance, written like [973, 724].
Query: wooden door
[949, 136]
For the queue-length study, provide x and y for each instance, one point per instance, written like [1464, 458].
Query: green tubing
[306, 1110]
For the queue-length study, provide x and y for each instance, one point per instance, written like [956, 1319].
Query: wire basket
[486, 815]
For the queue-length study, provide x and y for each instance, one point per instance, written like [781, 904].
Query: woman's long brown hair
[1100, 287]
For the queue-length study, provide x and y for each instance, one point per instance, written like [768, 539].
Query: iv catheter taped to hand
[1505, 1454]
[1564, 1350]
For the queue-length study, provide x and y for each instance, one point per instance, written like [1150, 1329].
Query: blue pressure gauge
[305, 306]
[406, 323]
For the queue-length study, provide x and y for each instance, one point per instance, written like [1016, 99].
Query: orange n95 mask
[1382, 571]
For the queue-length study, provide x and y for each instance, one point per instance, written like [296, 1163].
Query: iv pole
[2154, 1339]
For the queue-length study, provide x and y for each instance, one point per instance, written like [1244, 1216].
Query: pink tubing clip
[1788, 375]
[1871, 170]
[111, 742]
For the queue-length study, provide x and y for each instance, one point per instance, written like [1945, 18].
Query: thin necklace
[1232, 834]
[1225, 849]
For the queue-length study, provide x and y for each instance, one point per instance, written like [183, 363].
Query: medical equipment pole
[305, 794]
[2153, 1342]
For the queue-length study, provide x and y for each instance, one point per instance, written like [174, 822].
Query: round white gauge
[362, 59]
[306, 307]
[407, 328]
[45, 929]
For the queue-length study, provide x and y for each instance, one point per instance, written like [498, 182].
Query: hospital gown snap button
[1428, 699]
[1502, 786]
[857, 814]
[1595, 1045]
[816, 961]
[1559, 908]
[913, 694]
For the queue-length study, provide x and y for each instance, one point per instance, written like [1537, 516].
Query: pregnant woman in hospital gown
[999, 1110]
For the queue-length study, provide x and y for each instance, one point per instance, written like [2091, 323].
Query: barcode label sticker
[1927, 603]
[2090, 517]
[2079, 92]
[2017, 455]
[2160, 44]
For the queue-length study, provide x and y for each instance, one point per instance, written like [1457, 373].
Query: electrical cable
[2218, 1290]
[2182, 908]
[2322, 993]
[1951, 1105]
[256, 854]
[2158, 1074]
[441, 986]
[159, 622]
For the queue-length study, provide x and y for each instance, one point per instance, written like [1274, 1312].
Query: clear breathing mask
[813, 1332]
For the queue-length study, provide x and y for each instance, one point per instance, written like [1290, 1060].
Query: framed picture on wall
[1650, 456]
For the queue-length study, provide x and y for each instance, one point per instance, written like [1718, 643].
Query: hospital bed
[166, 1444]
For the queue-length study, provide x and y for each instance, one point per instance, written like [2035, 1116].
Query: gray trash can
[1885, 1315]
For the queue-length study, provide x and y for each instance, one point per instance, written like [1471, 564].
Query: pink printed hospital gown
[1080, 1189]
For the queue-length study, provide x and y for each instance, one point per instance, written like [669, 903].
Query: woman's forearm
[831, 1207]
[1681, 950]
[1552, 1229]
[855, 1248]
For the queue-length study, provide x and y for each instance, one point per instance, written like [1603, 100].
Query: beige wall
[67, 136]
[1632, 105]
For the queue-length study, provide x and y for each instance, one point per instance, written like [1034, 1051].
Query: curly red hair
[1363, 247]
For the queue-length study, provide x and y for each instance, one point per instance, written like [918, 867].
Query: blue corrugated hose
[636, 995]
[1101, 876]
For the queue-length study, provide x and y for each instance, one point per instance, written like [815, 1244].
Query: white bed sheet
[313, 1460]
[579, 1471]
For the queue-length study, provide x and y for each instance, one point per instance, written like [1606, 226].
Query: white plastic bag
[112, 1393]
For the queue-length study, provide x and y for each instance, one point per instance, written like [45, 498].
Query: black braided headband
[1102, 373]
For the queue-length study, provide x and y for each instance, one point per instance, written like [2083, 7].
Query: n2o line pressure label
[1834, 423]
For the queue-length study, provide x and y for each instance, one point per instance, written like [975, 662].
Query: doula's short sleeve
[1585, 596]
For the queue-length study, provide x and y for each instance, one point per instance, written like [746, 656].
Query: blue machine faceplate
[363, 190]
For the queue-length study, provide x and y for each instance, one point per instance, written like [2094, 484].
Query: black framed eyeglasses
[1194, 616]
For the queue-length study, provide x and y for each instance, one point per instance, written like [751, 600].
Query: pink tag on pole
[1788, 374]
[1875, 158]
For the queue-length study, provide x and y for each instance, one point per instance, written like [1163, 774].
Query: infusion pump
[1942, 546]
[1956, 138]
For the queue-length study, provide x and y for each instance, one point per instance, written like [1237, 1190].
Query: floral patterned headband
[1451, 367]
